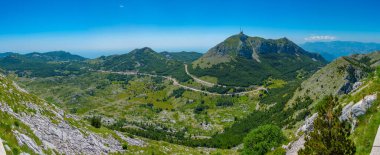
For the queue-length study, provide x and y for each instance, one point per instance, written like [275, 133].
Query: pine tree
[330, 135]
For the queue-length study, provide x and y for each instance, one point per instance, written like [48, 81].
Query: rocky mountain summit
[247, 47]
[244, 60]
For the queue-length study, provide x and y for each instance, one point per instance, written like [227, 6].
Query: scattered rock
[131, 141]
[357, 85]
[308, 125]
[23, 139]
[351, 111]
[293, 147]
[206, 126]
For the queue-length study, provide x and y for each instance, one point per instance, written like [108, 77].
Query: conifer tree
[330, 135]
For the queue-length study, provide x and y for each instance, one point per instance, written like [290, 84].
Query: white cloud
[320, 38]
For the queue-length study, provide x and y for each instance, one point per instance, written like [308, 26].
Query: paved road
[176, 83]
[209, 84]
[376, 144]
[2, 150]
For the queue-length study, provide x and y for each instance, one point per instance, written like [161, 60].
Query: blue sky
[103, 27]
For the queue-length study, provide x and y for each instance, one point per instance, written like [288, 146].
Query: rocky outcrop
[61, 136]
[293, 147]
[23, 139]
[308, 125]
[131, 141]
[51, 126]
[351, 111]
[352, 79]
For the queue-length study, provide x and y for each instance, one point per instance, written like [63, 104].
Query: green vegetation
[44, 64]
[96, 121]
[186, 57]
[262, 139]
[243, 61]
[125, 146]
[330, 136]
[143, 60]
[225, 102]
[8, 124]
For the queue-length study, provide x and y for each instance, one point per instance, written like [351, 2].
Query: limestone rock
[308, 125]
[352, 111]
[23, 139]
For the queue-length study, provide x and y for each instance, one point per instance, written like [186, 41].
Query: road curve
[176, 83]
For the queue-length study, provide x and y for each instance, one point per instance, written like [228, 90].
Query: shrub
[330, 135]
[225, 102]
[96, 121]
[262, 139]
[125, 146]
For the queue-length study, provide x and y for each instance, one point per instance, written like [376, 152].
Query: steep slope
[31, 125]
[243, 60]
[183, 56]
[355, 81]
[334, 49]
[143, 60]
[339, 77]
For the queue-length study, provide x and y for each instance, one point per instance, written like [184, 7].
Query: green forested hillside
[143, 60]
[43, 64]
[183, 56]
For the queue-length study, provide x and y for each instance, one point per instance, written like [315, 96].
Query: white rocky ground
[349, 113]
[56, 133]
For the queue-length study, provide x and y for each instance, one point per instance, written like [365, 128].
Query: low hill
[42, 64]
[242, 60]
[143, 60]
[55, 56]
[2, 55]
[334, 49]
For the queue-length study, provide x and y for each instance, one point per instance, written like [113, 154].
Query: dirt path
[176, 83]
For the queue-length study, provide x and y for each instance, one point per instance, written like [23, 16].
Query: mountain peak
[143, 50]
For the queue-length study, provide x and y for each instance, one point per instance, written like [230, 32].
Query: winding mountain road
[176, 83]
[208, 84]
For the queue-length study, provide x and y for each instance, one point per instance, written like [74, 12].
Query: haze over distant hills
[334, 49]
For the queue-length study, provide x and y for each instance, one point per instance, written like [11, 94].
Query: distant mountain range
[335, 49]
[244, 60]
[48, 56]
[41, 64]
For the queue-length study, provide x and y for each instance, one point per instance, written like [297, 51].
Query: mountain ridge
[240, 56]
